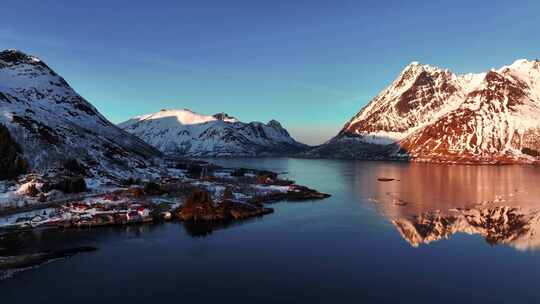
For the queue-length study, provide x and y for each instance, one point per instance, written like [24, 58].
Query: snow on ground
[10, 219]
[176, 172]
[222, 174]
[94, 183]
[14, 195]
[240, 196]
[215, 190]
[272, 188]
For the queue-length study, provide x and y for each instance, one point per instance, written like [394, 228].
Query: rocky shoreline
[200, 195]
[38, 258]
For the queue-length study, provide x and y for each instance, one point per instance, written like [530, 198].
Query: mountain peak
[224, 117]
[522, 61]
[54, 123]
[415, 65]
[274, 123]
[521, 65]
[183, 132]
[17, 56]
[431, 114]
[413, 71]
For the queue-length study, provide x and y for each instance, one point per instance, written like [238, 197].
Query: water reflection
[204, 229]
[54, 239]
[427, 203]
[511, 226]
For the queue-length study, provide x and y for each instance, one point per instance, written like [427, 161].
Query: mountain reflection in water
[499, 225]
[427, 203]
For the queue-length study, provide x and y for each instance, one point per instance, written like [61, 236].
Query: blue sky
[309, 64]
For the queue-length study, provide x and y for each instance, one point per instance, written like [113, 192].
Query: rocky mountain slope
[431, 114]
[50, 123]
[185, 133]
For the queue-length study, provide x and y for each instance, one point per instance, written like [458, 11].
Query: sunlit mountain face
[432, 203]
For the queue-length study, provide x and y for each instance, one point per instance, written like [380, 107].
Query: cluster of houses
[247, 189]
[88, 215]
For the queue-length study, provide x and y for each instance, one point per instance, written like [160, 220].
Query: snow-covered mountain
[52, 123]
[185, 133]
[432, 114]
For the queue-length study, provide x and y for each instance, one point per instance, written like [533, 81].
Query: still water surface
[437, 234]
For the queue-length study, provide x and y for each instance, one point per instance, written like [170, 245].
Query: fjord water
[344, 249]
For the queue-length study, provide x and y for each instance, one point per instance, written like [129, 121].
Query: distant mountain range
[433, 115]
[50, 123]
[427, 114]
[186, 133]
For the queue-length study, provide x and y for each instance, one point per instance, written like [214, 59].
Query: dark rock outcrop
[199, 207]
[12, 162]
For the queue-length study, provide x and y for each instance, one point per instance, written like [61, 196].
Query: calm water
[346, 249]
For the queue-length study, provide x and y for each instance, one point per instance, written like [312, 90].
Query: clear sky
[309, 64]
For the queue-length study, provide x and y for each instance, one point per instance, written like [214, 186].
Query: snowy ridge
[418, 96]
[52, 123]
[186, 133]
[431, 114]
[184, 117]
[498, 121]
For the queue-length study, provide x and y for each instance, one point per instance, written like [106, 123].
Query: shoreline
[228, 194]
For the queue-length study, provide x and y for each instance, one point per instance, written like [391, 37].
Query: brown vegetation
[153, 188]
[66, 185]
[199, 207]
[73, 166]
[240, 172]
